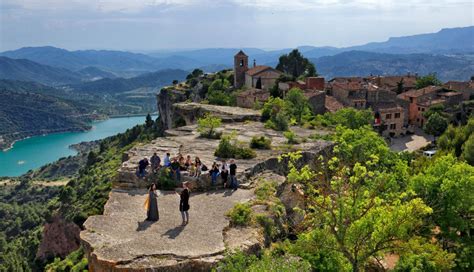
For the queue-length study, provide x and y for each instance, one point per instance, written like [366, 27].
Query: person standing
[198, 169]
[214, 172]
[152, 204]
[224, 172]
[142, 165]
[155, 162]
[184, 203]
[233, 173]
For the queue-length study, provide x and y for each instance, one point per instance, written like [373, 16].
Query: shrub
[165, 182]
[260, 142]
[228, 149]
[207, 126]
[290, 136]
[240, 214]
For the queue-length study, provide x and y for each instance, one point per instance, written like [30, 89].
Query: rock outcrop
[120, 239]
[59, 239]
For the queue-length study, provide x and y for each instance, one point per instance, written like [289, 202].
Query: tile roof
[420, 92]
[241, 53]
[459, 85]
[332, 104]
[258, 69]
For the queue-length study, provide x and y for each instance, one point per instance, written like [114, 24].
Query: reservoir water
[36, 151]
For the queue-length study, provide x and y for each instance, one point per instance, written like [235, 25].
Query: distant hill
[119, 85]
[25, 112]
[449, 40]
[359, 63]
[27, 70]
[95, 73]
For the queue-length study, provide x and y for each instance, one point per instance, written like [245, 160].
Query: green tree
[347, 117]
[175, 82]
[195, 73]
[468, 150]
[297, 105]
[359, 211]
[428, 80]
[296, 64]
[436, 124]
[208, 124]
[446, 185]
[148, 121]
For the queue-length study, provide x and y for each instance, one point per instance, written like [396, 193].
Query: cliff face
[59, 239]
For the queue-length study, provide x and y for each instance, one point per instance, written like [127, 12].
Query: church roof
[240, 53]
[258, 69]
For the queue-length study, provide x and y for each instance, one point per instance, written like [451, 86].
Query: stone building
[395, 83]
[313, 89]
[350, 91]
[258, 77]
[465, 87]
[389, 119]
[250, 98]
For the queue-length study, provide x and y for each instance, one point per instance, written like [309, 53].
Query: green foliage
[296, 65]
[74, 262]
[239, 262]
[207, 126]
[428, 80]
[420, 255]
[194, 74]
[290, 137]
[436, 124]
[229, 148]
[468, 150]
[261, 142]
[165, 181]
[454, 138]
[444, 185]
[240, 214]
[277, 112]
[297, 105]
[149, 121]
[346, 117]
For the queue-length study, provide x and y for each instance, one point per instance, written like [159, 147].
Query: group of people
[151, 204]
[195, 168]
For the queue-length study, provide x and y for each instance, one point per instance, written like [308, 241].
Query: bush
[165, 182]
[227, 149]
[240, 214]
[207, 126]
[260, 142]
[347, 117]
[290, 136]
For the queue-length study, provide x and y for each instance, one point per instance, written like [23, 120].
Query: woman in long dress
[152, 211]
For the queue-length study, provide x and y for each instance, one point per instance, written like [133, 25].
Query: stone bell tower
[241, 65]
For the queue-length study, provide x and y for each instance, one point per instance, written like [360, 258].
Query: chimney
[254, 63]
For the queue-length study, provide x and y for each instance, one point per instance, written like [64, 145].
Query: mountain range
[453, 44]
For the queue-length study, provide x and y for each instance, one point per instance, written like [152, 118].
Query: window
[393, 126]
[411, 99]
[241, 63]
[422, 109]
[419, 108]
[397, 115]
[388, 116]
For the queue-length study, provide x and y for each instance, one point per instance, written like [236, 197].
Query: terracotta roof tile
[258, 69]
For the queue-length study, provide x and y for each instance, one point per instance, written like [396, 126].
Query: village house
[465, 87]
[258, 77]
[389, 119]
[396, 84]
[252, 97]
[313, 89]
[350, 91]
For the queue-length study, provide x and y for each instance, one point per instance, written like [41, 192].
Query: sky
[148, 25]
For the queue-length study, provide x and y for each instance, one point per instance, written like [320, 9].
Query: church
[258, 77]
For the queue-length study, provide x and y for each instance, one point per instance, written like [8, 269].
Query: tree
[175, 82]
[468, 150]
[446, 185]
[428, 80]
[436, 125]
[454, 138]
[297, 104]
[347, 117]
[400, 86]
[148, 121]
[208, 124]
[194, 74]
[296, 65]
[360, 212]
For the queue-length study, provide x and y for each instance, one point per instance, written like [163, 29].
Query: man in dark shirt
[175, 169]
[142, 164]
[233, 172]
[155, 162]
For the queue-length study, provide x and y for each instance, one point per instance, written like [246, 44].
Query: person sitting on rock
[214, 172]
[182, 164]
[188, 162]
[175, 170]
[233, 172]
[184, 203]
[166, 160]
[142, 164]
[155, 162]
[198, 166]
[224, 172]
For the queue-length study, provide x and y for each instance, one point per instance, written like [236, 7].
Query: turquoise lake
[36, 151]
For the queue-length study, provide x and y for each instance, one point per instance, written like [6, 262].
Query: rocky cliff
[121, 240]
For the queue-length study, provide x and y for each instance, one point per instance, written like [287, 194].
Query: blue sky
[160, 24]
